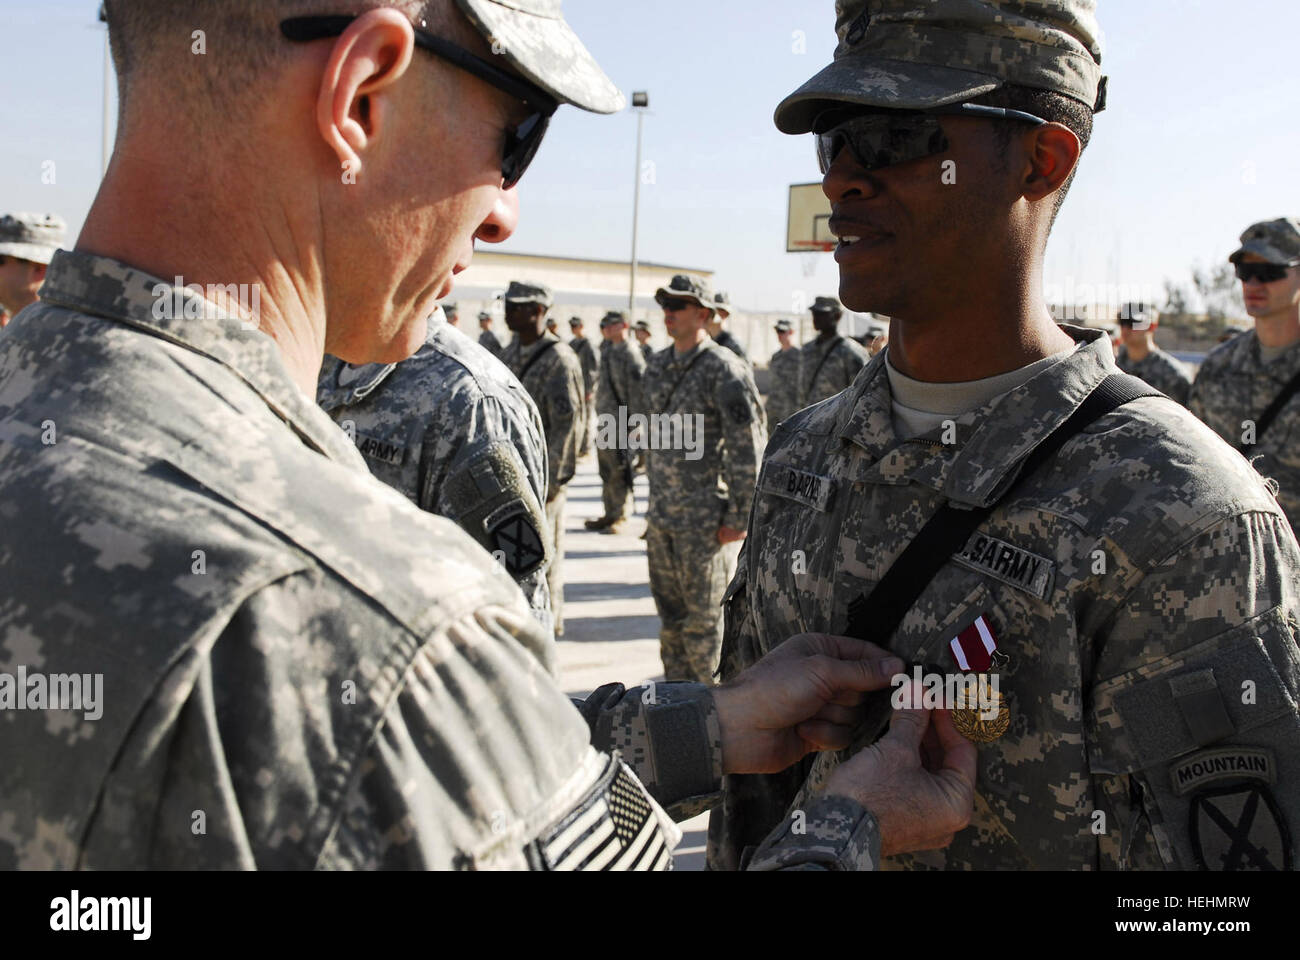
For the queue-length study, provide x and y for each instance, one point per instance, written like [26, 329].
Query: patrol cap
[1131, 314]
[722, 302]
[31, 236]
[575, 322]
[1277, 241]
[687, 287]
[528, 292]
[450, 306]
[534, 39]
[484, 315]
[641, 325]
[615, 316]
[784, 326]
[921, 54]
[826, 305]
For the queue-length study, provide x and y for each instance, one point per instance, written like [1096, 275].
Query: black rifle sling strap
[821, 363]
[667, 404]
[542, 351]
[1270, 414]
[876, 617]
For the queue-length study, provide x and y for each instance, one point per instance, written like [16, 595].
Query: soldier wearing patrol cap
[831, 360]
[1140, 356]
[702, 463]
[486, 338]
[337, 679]
[1248, 389]
[27, 242]
[551, 373]
[641, 330]
[451, 430]
[784, 367]
[451, 310]
[995, 502]
[590, 360]
[720, 334]
[618, 396]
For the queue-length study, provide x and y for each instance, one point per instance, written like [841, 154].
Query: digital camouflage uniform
[1159, 369]
[451, 430]
[490, 342]
[555, 384]
[725, 339]
[324, 693]
[827, 367]
[691, 499]
[783, 398]
[622, 369]
[1136, 586]
[1233, 386]
[590, 361]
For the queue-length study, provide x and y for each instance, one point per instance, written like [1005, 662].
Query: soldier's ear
[1053, 154]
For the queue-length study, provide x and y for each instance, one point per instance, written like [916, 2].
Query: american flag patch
[614, 828]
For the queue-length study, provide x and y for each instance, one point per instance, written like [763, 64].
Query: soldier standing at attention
[27, 242]
[993, 499]
[621, 371]
[830, 361]
[1140, 356]
[1248, 389]
[337, 679]
[457, 435]
[551, 373]
[590, 361]
[702, 465]
[720, 334]
[784, 368]
[641, 329]
[451, 310]
[486, 338]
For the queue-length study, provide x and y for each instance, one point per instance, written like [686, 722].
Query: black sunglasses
[521, 143]
[673, 304]
[882, 138]
[1262, 272]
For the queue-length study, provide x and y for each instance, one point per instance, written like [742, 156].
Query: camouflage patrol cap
[921, 54]
[641, 325]
[31, 236]
[450, 307]
[687, 287]
[722, 302]
[528, 292]
[784, 326]
[1277, 241]
[613, 317]
[575, 322]
[534, 39]
[484, 315]
[826, 305]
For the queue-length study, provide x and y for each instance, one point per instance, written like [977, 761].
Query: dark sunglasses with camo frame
[881, 138]
[1262, 272]
[521, 142]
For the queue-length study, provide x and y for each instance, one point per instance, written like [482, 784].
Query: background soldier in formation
[830, 361]
[1140, 356]
[992, 497]
[27, 242]
[701, 476]
[720, 334]
[1258, 373]
[453, 432]
[486, 338]
[451, 311]
[642, 331]
[589, 358]
[621, 371]
[784, 367]
[551, 373]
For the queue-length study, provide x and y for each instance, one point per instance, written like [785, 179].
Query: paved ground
[611, 631]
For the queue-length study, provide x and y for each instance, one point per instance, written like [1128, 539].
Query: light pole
[640, 101]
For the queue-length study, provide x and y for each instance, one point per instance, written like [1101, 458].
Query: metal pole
[636, 213]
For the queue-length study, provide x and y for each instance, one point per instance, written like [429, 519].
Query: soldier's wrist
[832, 831]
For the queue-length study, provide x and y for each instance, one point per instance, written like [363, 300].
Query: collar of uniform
[114, 290]
[993, 441]
[528, 351]
[343, 384]
[1247, 359]
[676, 359]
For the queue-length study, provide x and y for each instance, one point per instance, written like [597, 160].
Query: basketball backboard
[808, 226]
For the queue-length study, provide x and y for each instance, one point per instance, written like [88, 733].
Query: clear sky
[1200, 139]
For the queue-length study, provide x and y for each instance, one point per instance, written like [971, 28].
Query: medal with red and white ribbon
[976, 649]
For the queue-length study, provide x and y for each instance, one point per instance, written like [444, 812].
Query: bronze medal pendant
[971, 723]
